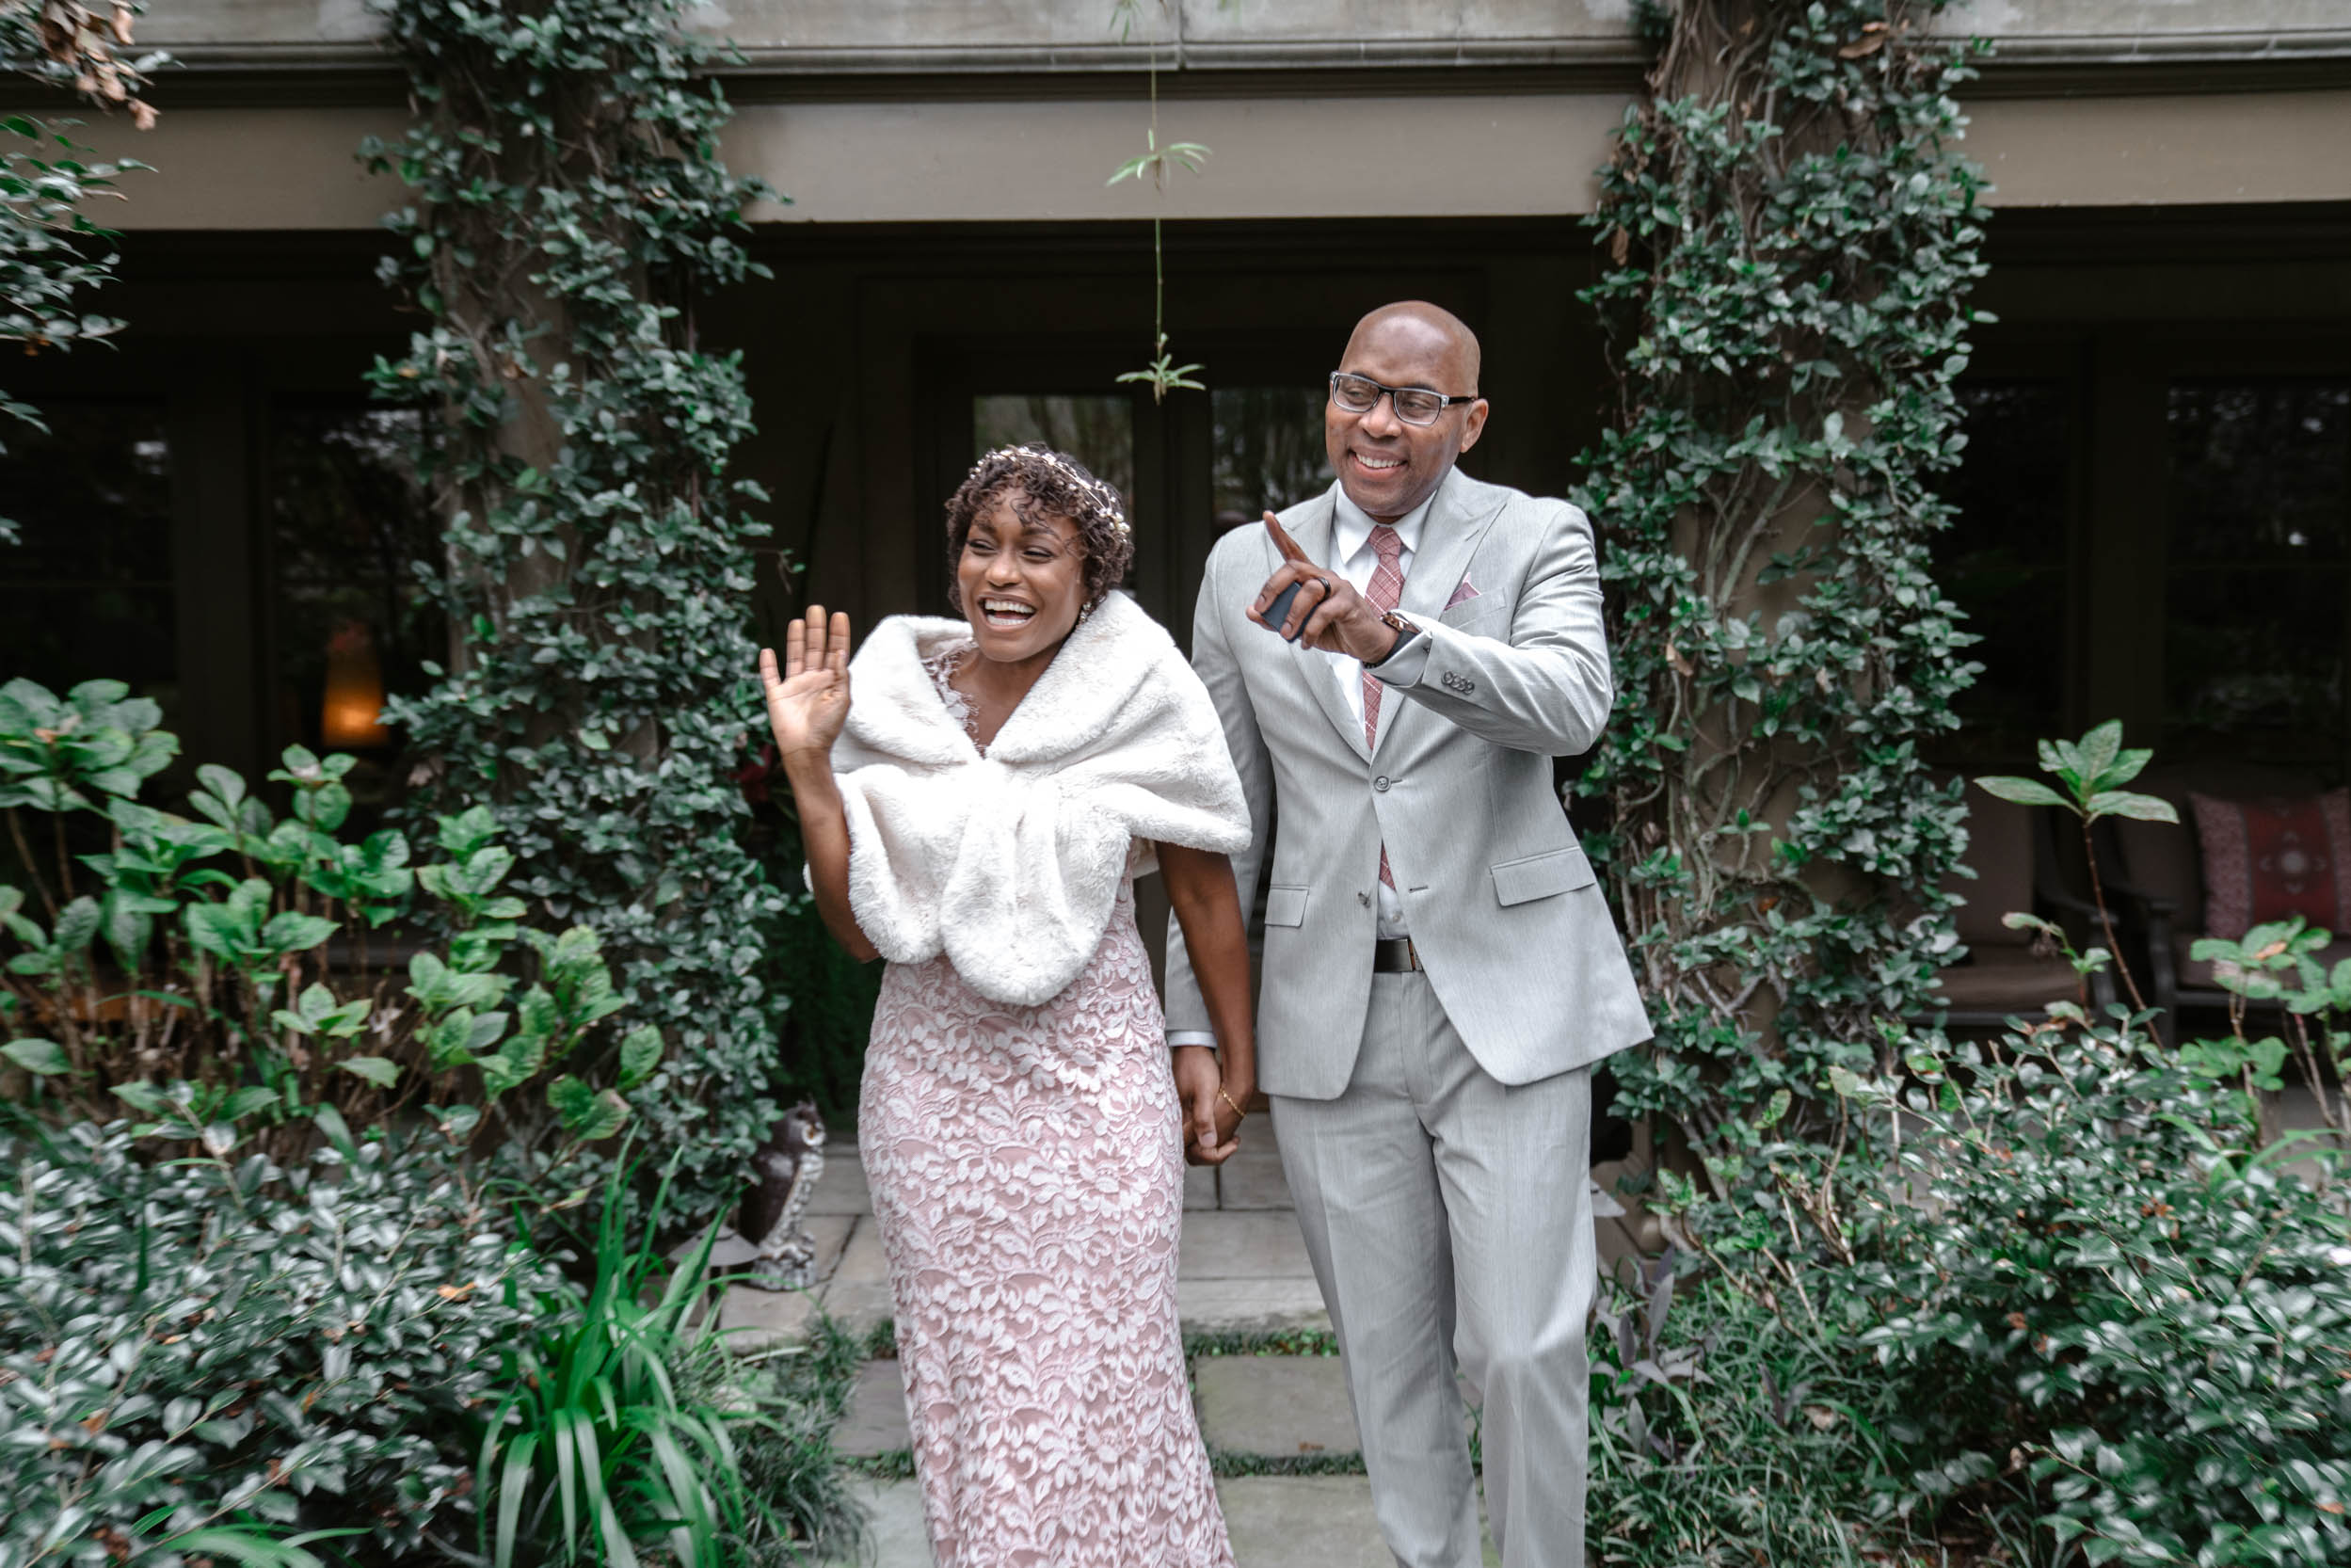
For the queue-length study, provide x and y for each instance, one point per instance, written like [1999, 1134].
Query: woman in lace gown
[977, 816]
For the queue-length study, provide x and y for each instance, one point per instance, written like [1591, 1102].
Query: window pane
[1097, 429]
[347, 520]
[88, 593]
[2003, 560]
[1269, 450]
[2254, 611]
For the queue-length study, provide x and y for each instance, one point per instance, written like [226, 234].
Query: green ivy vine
[569, 204]
[1790, 236]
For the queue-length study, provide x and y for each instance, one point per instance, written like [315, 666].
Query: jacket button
[1381, 783]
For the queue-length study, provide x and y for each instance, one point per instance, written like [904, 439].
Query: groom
[1440, 970]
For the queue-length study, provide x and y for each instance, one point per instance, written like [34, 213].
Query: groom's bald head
[1388, 464]
[1441, 336]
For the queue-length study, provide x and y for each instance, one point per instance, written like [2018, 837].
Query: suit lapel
[1313, 529]
[1457, 524]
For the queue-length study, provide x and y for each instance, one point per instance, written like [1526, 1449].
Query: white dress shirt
[1356, 560]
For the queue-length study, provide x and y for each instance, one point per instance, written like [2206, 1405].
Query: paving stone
[876, 1421]
[1274, 1405]
[894, 1533]
[830, 1232]
[1302, 1522]
[1276, 1521]
[1199, 1187]
[764, 1318]
[1252, 1179]
[1250, 1305]
[857, 1295]
[1226, 1245]
[841, 1190]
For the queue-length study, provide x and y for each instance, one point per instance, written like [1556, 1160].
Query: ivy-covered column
[569, 205]
[1789, 235]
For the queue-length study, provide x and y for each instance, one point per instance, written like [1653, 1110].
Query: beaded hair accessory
[1094, 490]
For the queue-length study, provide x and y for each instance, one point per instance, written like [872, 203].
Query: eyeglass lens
[1413, 405]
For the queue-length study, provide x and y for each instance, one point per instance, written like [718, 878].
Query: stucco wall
[1484, 155]
[969, 34]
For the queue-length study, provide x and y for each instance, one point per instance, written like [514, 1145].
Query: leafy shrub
[206, 1354]
[2103, 1272]
[249, 954]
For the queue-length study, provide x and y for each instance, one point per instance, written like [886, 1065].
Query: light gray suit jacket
[1504, 910]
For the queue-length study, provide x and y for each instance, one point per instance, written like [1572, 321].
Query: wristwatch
[1405, 631]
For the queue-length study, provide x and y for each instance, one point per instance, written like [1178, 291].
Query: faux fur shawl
[1011, 863]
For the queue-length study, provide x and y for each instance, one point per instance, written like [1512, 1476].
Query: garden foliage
[1790, 236]
[215, 1355]
[569, 204]
[2099, 1307]
[227, 964]
[307, 1302]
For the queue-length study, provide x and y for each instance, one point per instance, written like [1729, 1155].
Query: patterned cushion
[2270, 858]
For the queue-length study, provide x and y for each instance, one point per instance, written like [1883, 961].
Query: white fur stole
[1011, 863]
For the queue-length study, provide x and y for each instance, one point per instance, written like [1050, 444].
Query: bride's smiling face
[1022, 580]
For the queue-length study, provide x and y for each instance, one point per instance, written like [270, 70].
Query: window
[2255, 577]
[2005, 560]
[1269, 450]
[89, 592]
[347, 516]
[1097, 429]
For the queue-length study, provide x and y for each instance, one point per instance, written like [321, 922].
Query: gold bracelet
[1238, 1115]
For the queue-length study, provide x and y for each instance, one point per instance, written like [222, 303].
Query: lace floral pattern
[941, 667]
[1027, 1170]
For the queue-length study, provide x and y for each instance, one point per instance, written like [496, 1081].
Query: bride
[978, 817]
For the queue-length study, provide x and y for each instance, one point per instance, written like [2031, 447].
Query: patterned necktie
[1387, 587]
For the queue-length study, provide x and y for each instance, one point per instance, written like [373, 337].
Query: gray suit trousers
[1449, 1222]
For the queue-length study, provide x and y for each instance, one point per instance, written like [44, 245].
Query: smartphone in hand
[1278, 612]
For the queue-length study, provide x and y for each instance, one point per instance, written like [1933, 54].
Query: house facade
[2153, 510]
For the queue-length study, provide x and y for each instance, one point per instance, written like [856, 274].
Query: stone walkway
[1243, 1270]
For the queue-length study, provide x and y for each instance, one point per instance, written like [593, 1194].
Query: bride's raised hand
[808, 701]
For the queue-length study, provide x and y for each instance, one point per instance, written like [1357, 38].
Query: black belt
[1395, 955]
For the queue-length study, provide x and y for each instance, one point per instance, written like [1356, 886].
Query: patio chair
[2012, 850]
[2155, 872]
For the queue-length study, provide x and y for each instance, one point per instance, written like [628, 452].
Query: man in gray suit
[1441, 970]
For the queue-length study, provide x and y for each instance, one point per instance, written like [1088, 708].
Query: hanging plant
[569, 206]
[1790, 234]
[1162, 374]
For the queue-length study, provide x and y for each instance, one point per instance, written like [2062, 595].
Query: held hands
[1335, 617]
[808, 703]
[1211, 1107]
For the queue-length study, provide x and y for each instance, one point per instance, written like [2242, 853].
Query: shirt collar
[1351, 525]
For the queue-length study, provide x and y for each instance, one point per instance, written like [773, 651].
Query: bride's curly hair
[1044, 483]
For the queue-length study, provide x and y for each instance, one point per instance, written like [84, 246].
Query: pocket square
[1463, 594]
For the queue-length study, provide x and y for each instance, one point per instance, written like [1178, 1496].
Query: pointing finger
[839, 656]
[1282, 541]
[768, 679]
[796, 647]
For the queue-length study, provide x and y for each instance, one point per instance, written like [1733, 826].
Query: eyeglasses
[1360, 395]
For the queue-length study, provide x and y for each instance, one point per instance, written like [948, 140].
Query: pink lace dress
[1027, 1172]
